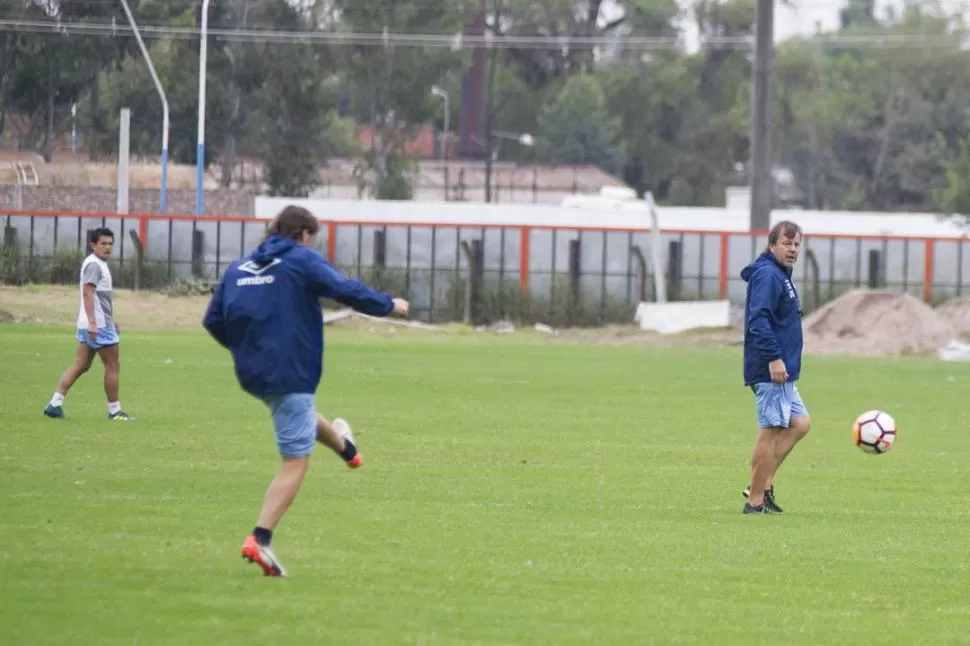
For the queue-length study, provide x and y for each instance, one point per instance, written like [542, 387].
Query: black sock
[349, 452]
[263, 536]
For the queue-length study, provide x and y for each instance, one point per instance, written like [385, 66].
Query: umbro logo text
[255, 280]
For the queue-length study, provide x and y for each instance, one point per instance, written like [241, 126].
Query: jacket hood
[273, 247]
[764, 259]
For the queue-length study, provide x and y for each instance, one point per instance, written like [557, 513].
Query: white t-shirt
[95, 271]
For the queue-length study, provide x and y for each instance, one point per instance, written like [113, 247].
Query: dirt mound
[876, 322]
[956, 312]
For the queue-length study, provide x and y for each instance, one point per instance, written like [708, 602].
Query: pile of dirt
[876, 323]
[956, 312]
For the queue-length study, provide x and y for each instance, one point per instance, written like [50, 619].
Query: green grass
[514, 492]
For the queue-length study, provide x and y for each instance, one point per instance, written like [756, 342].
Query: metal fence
[564, 276]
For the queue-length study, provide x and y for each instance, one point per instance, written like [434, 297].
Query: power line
[460, 41]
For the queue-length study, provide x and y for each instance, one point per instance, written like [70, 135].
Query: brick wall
[104, 199]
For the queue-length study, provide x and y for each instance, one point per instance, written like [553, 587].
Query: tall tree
[391, 85]
[575, 127]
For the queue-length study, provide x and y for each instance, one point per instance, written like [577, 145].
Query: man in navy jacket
[772, 362]
[266, 312]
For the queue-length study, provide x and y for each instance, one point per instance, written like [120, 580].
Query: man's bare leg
[282, 491]
[763, 465]
[786, 440]
[337, 437]
[328, 436]
[111, 358]
[279, 496]
[83, 357]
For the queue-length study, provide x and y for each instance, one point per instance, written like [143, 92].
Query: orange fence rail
[596, 262]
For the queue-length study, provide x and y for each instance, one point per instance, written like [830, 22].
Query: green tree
[575, 127]
[291, 121]
[390, 86]
[871, 128]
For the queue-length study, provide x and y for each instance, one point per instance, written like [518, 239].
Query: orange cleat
[262, 556]
[343, 429]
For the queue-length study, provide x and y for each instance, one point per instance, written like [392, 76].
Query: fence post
[380, 256]
[332, 242]
[812, 275]
[575, 271]
[875, 269]
[198, 253]
[674, 273]
[722, 279]
[524, 237]
[142, 230]
[928, 264]
[641, 273]
[139, 257]
[473, 254]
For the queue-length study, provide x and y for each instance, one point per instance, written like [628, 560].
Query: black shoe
[757, 509]
[769, 499]
[770, 502]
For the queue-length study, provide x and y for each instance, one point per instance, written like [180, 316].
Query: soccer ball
[874, 432]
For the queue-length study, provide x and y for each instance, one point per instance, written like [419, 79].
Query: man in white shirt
[97, 332]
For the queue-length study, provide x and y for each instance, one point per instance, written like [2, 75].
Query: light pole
[161, 93]
[74, 128]
[524, 139]
[437, 91]
[200, 150]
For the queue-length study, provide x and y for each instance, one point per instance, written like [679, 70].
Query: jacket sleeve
[214, 321]
[765, 292]
[329, 282]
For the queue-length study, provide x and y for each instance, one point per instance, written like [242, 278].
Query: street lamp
[200, 150]
[161, 93]
[524, 139]
[437, 91]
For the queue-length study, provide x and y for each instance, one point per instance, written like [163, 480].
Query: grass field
[514, 492]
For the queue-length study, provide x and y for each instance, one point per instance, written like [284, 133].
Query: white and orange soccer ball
[874, 432]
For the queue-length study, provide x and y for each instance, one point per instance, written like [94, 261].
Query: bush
[505, 300]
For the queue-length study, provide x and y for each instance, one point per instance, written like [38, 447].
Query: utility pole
[760, 179]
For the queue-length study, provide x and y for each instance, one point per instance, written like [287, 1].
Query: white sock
[113, 407]
[57, 399]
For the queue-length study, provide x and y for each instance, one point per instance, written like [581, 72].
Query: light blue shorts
[106, 337]
[777, 404]
[295, 422]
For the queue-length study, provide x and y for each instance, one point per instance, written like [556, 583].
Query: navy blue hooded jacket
[266, 311]
[772, 320]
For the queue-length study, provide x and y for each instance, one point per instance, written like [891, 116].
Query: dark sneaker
[770, 502]
[759, 509]
[57, 412]
[120, 416]
[769, 499]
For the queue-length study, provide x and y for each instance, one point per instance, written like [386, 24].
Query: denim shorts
[105, 338]
[777, 404]
[295, 423]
